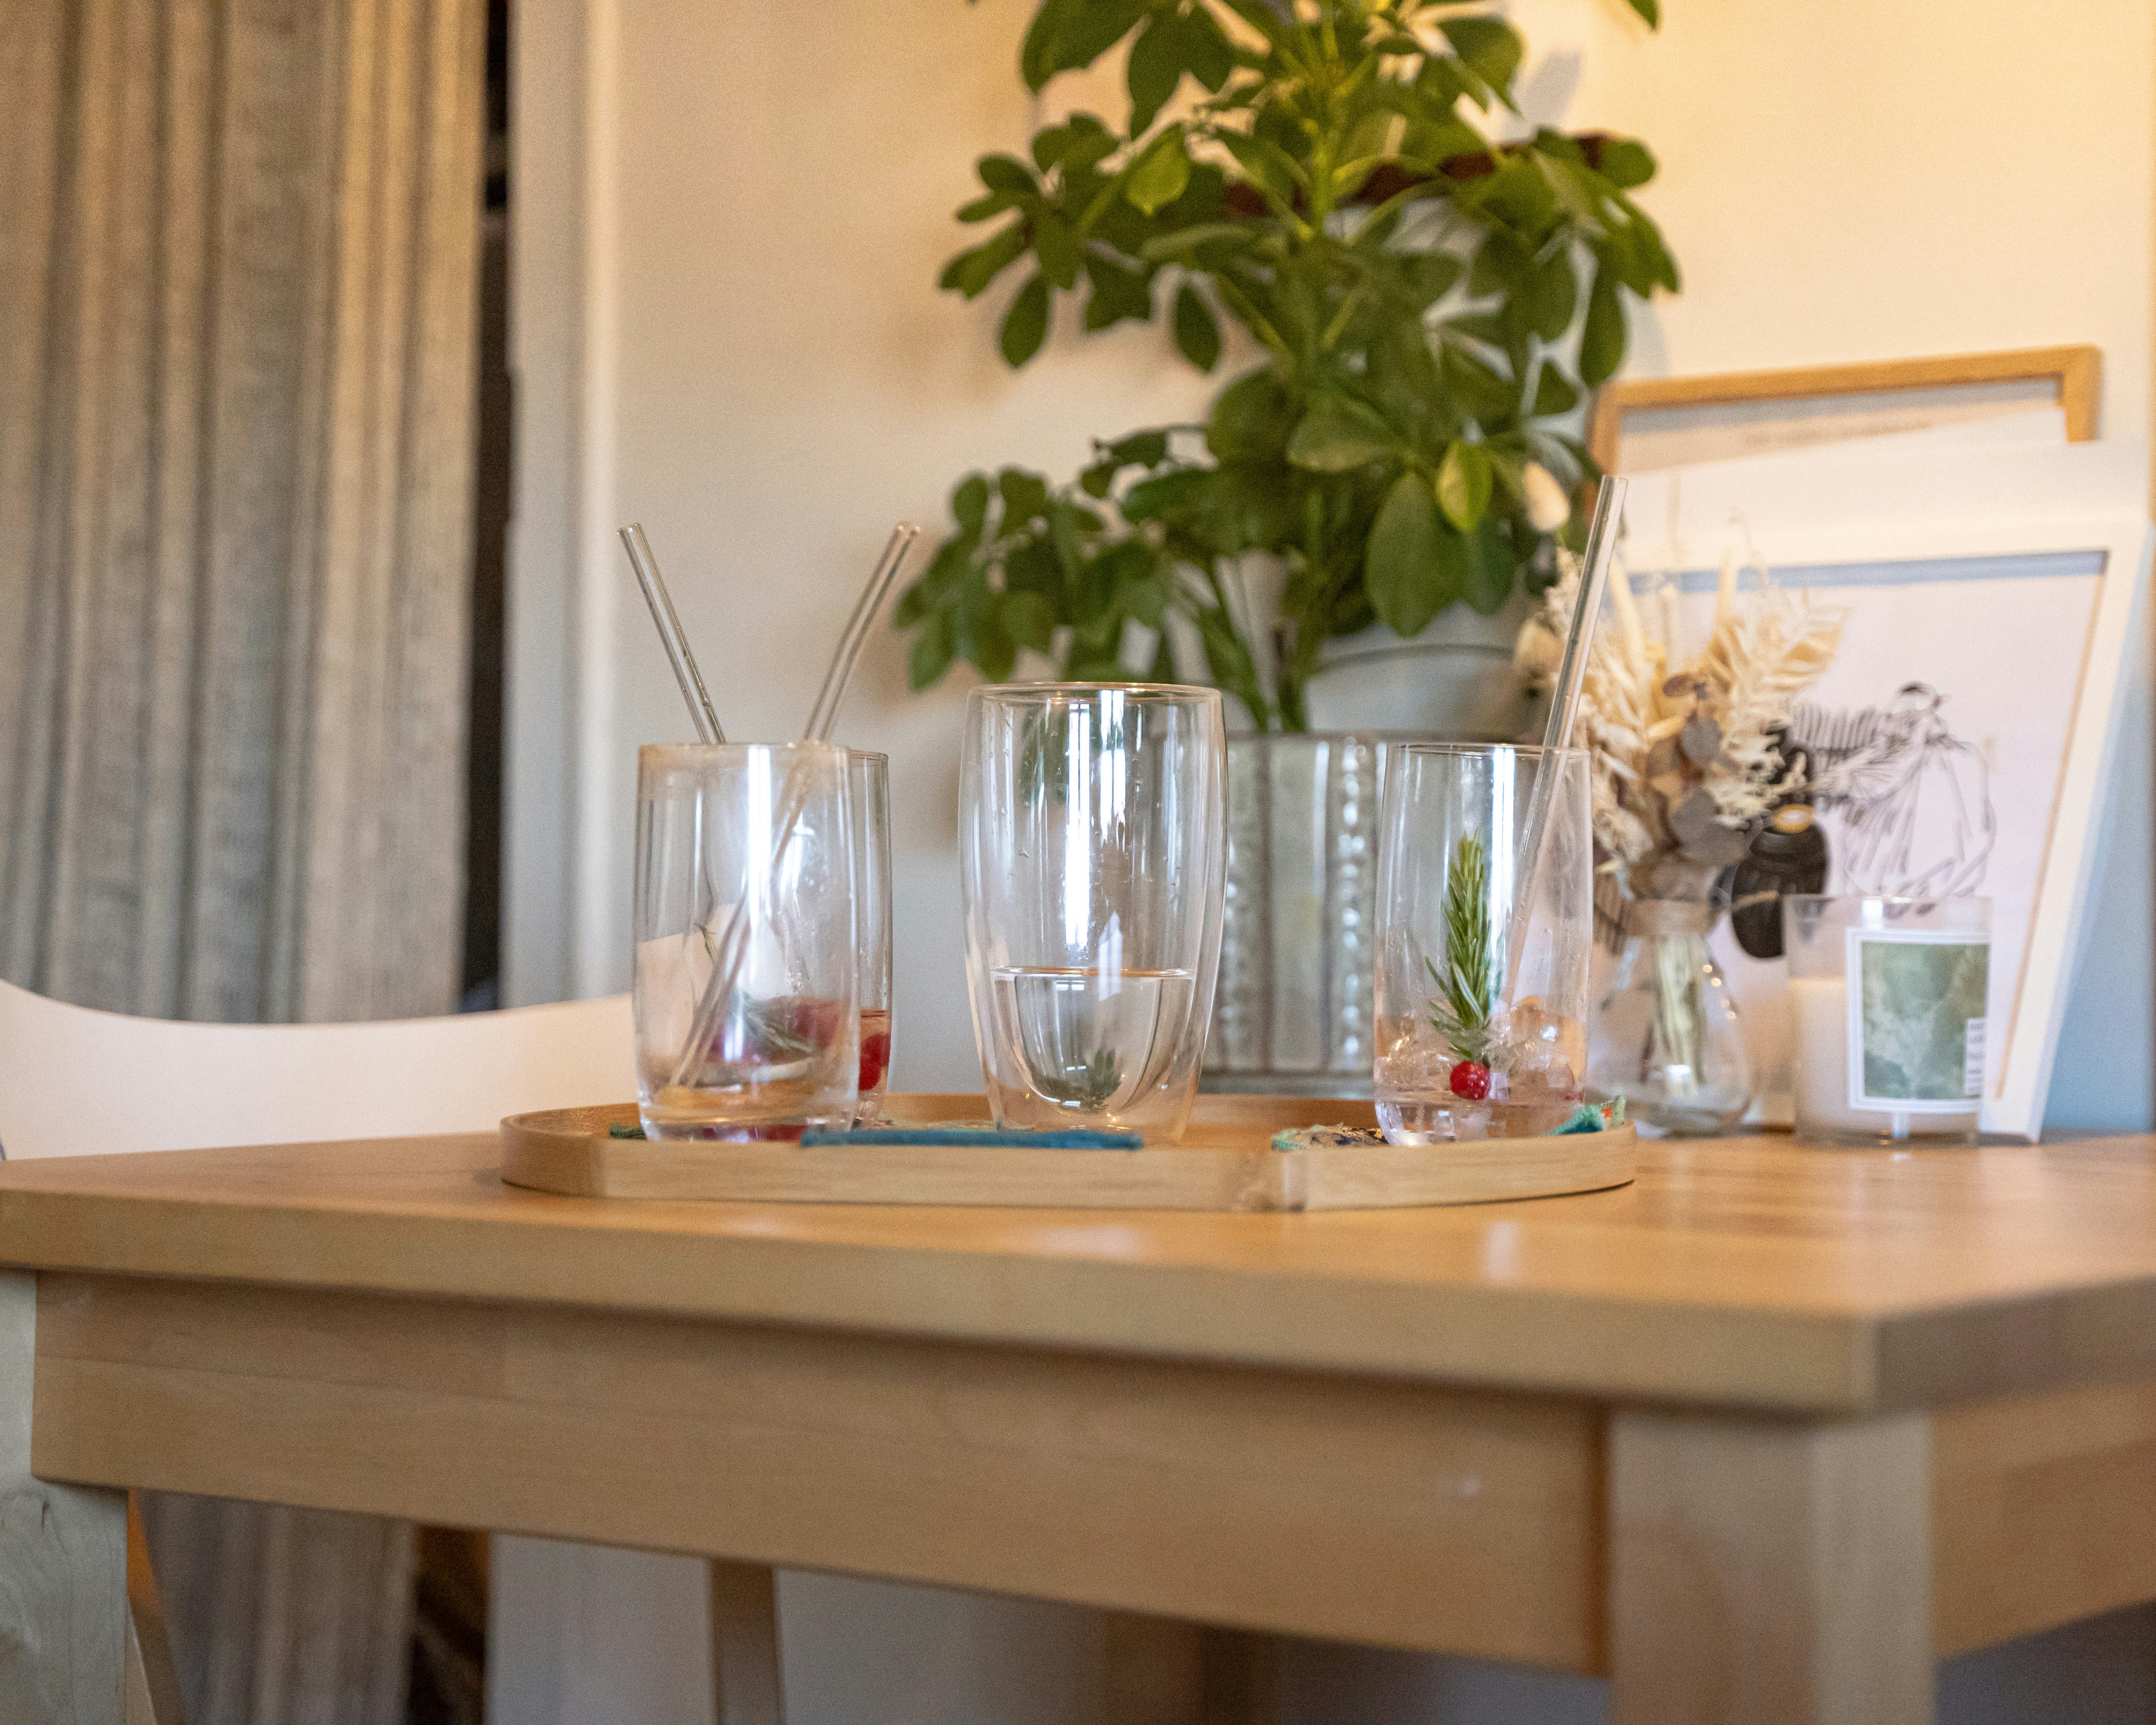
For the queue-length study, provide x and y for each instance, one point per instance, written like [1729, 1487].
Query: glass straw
[701, 713]
[1564, 707]
[733, 945]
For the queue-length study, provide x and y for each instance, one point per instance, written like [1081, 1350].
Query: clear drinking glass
[745, 986]
[1464, 1051]
[868, 784]
[1890, 1002]
[1092, 848]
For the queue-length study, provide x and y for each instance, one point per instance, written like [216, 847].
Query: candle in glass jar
[1887, 997]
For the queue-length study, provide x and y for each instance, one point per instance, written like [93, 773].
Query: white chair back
[76, 1082]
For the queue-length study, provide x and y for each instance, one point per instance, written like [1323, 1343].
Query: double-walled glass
[867, 783]
[1093, 847]
[1483, 971]
[745, 989]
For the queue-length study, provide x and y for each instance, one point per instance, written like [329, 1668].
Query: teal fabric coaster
[970, 1137]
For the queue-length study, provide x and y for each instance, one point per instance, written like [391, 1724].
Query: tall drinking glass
[868, 784]
[1093, 846]
[745, 986]
[1464, 1051]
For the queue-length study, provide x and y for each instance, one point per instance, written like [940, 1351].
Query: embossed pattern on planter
[1297, 953]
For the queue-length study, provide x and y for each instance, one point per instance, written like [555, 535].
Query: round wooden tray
[1225, 1162]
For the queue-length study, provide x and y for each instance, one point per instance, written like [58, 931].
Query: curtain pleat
[239, 264]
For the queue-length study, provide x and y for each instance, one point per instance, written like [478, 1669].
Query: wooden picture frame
[1737, 414]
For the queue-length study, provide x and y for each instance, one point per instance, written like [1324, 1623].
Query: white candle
[1725, 594]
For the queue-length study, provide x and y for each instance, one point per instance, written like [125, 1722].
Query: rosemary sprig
[1467, 987]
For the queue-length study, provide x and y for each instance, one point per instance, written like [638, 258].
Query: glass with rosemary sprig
[1463, 1049]
[746, 980]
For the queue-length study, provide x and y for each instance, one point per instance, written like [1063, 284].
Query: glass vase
[1667, 1035]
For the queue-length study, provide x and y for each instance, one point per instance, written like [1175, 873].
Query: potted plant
[1430, 298]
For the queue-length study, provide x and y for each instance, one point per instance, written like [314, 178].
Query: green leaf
[1036, 54]
[1502, 266]
[1491, 48]
[1118, 293]
[981, 208]
[1430, 276]
[913, 604]
[970, 272]
[1550, 294]
[1403, 568]
[1025, 324]
[1483, 393]
[1602, 341]
[969, 502]
[932, 651]
[1068, 35]
[1626, 162]
[1270, 168]
[1553, 393]
[1057, 248]
[1196, 333]
[1028, 620]
[1463, 485]
[1650, 10]
[1156, 67]
[1159, 175]
[1025, 495]
[1007, 174]
[1339, 433]
[1249, 420]
[1140, 449]
[1487, 568]
[1206, 49]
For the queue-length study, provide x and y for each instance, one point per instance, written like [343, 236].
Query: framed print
[1962, 740]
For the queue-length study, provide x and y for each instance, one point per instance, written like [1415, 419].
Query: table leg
[1161, 1670]
[747, 1684]
[63, 1559]
[1763, 1573]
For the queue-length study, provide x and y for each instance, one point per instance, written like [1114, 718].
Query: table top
[1743, 1271]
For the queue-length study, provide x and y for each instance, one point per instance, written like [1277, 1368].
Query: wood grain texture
[1742, 1271]
[748, 1680]
[2045, 1507]
[1225, 1162]
[1769, 1573]
[1404, 1514]
[2076, 371]
[62, 1561]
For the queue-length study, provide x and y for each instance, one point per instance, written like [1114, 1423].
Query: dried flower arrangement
[1686, 754]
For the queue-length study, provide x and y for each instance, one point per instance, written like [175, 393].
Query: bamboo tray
[1225, 1162]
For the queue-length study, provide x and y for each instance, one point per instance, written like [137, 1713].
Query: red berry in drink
[875, 1058]
[1471, 1079]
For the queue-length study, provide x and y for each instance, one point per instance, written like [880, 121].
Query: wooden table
[1761, 1437]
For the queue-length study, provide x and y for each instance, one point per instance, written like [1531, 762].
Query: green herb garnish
[1467, 999]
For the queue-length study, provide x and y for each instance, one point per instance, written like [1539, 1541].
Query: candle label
[1916, 1020]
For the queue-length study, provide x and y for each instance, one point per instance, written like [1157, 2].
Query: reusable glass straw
[1564, 701]
[698, 699]
[733, 944]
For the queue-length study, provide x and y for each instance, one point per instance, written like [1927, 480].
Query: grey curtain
[238, 269]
